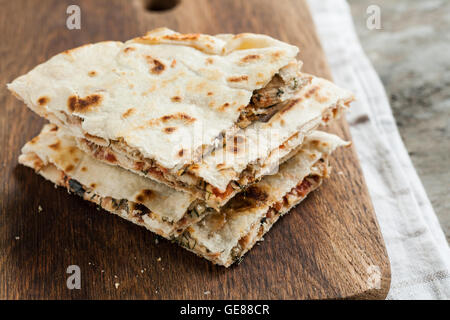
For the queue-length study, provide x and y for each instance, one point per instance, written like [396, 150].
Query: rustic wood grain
[322, 249]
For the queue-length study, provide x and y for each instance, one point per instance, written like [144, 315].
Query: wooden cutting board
[330, 246]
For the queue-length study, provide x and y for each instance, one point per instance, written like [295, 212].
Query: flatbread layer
[247, 155]
[166, 95]
[222, 237]
[161, 209]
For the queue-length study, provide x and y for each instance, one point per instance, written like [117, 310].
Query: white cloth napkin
[417, 248]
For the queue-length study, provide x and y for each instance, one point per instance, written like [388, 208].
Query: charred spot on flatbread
[250, 57]
[42, 101]
[55, 146]
[170, 130]
[311, 91]
[128, 49]
[182, 37]
[128, 113]
[238, 78]
[81, 105]
[144, 195]
[178, 116]
[224, 106]
[156, 66]
[139, 209]
[276, 55]
[72, 150]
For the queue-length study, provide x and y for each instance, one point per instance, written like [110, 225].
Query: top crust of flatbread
[161, 93]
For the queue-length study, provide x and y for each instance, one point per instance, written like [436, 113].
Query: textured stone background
[411, 53]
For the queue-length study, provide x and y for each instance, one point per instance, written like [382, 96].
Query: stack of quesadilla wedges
[205, 140]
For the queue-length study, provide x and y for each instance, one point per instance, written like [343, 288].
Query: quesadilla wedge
[222, 237]
[247, 155]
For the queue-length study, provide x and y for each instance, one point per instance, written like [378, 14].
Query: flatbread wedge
[154, 93]
[160, 103]
[159, 208]
[222, 237]
[247, 155]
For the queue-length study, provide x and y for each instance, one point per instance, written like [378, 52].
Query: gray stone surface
[411, 53]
